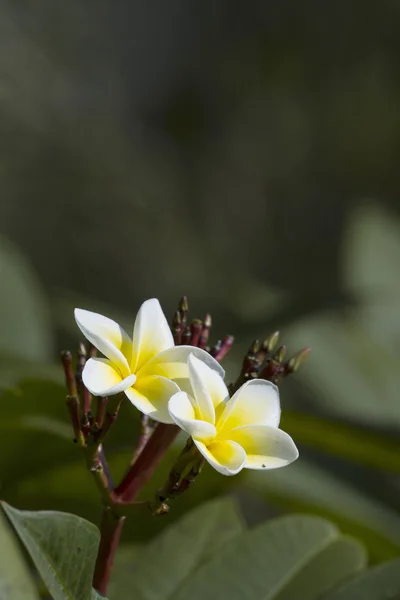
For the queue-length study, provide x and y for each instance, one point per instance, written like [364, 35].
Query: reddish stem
[110, 530]
[146, 463]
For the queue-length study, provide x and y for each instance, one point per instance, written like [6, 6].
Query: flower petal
[151, 395]
[107, 336]
[208, 387]
[266, 447]
[181, 410]
[101, 378]
[172, 363]
[227, 457]
[255, 403]
[151, 334]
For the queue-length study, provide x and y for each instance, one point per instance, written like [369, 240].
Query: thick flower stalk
[148, 368]
[232, 433]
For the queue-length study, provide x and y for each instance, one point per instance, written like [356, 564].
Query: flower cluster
[183, 384]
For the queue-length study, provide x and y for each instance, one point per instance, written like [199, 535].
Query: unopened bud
[195, 327]
[186, 336]
[226, 345]
[177, 327]
[66, 359]
[207, 321]
[183, 305]
[183, 309]
[280, 354]
[205, 332]
[214, 351]
[255, 347]
[271, 341]
[297, 360]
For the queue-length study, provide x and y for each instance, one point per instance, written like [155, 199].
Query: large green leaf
[304, 486]
[336, 562]
[177, 552]
[24, 314]
[63, 548]
[16, 583]
[379, 583]
[275, 561]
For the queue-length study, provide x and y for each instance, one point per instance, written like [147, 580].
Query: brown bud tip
[297, 360]
[207, 321]
[183, 304]
[280, 354]
[271, 341]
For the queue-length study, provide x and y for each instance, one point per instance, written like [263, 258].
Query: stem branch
[110, 530]
[146, 463]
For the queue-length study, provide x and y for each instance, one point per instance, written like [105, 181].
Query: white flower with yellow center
[148, 368]
[233, 433]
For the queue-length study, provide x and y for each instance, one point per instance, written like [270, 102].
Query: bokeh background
[244, 154]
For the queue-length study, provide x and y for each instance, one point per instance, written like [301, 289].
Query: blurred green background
[244, 154]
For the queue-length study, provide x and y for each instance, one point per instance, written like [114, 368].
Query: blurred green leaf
[37, 434]
[275, 559]
[177, 552]
[24, 314]
[307, 488]
[342, 439]
[41, 468]
[16, 583]
[34, 430]
[14, 370]
[63, 548]
[351, 374]
[378, 583]
[354, 371]
[371, 270]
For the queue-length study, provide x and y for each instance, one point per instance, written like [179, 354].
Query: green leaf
[379, 583]
[341, 559]
[348, 441]
[177, 552]
[34, 430]
[353, 374]
[305, 487]
[63, 548]
[275, 559]
[24, 313]
[16, 583]
[13, 370]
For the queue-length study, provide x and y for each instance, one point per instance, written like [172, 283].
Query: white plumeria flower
[233, 433]
[144, 367]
